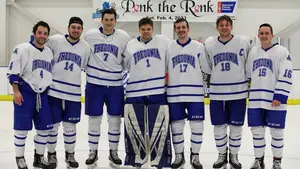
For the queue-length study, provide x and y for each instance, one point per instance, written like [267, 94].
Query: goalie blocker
[147, 133]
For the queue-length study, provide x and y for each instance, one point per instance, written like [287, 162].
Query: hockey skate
[234, 162]
[114, 160]
[258, 163]
[21, 163]
[276, 164]
[179, 161]
[138, 166]
[40, 162]
[194, 160]
[222, 161]
[70, 161]
[91, 162]
[52, 160]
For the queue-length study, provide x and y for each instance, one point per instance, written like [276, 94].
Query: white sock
[221, 138]
[196, 135]
[259, 141]
[69, 136]
[277, 142]
[94, 131]
[178, 135]
[235, 137]
[114, 125]
[20, 138]
[40, 141]
[52, 138]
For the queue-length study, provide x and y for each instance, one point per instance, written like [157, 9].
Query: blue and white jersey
[227, 60]
[185, 80]
[69, 60]
[31, 64]
[146, 63]
[105, 66]
[270, 71]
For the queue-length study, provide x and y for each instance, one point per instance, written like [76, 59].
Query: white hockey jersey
[228, 79]
[69, 60]
[185, 80]
[146, 63]
[31, 64]
[271, 72]
[105, 66]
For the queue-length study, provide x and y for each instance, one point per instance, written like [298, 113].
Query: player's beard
[146, 37]
[41, 41]
[74, 37]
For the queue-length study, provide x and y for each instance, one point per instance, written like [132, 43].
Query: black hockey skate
[21, 163]
[52, 160]
[258, 163]
[40, 162]
[114, 160]
[221, 162]
[70, 160]
[91, 162]
[234, 162]
[137, 166]
[179, 161]
[276, 163]
[194, 160]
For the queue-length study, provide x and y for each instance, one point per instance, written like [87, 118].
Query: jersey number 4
[42, 74]
[69, 66]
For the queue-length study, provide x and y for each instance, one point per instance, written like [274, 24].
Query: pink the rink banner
[166, 10]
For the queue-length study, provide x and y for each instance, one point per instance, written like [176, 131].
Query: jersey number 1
[148, 63]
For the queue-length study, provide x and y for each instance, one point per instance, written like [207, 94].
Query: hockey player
[185, 91]
[105, 85]
[29, 73]
[227, 55]
[146, 115]
[270, 69]
[70, 56]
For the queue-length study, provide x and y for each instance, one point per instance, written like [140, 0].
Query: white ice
[208, 154]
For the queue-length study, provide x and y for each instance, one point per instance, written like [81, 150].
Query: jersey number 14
[69, 66]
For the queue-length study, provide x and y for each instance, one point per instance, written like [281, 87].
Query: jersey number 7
[105, 56]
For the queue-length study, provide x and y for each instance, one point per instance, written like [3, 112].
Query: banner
[166, 10]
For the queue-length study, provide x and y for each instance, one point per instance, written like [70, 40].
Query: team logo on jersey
[227, 56]
[110, 48]
[184, 58]
[146, 54]
[69, 56]
[42, 64]
[16, 51]
[289, 58]
[263, 62]
[242, 51]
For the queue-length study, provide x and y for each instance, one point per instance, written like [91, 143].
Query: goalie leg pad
[135, 137]
[159, 135]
